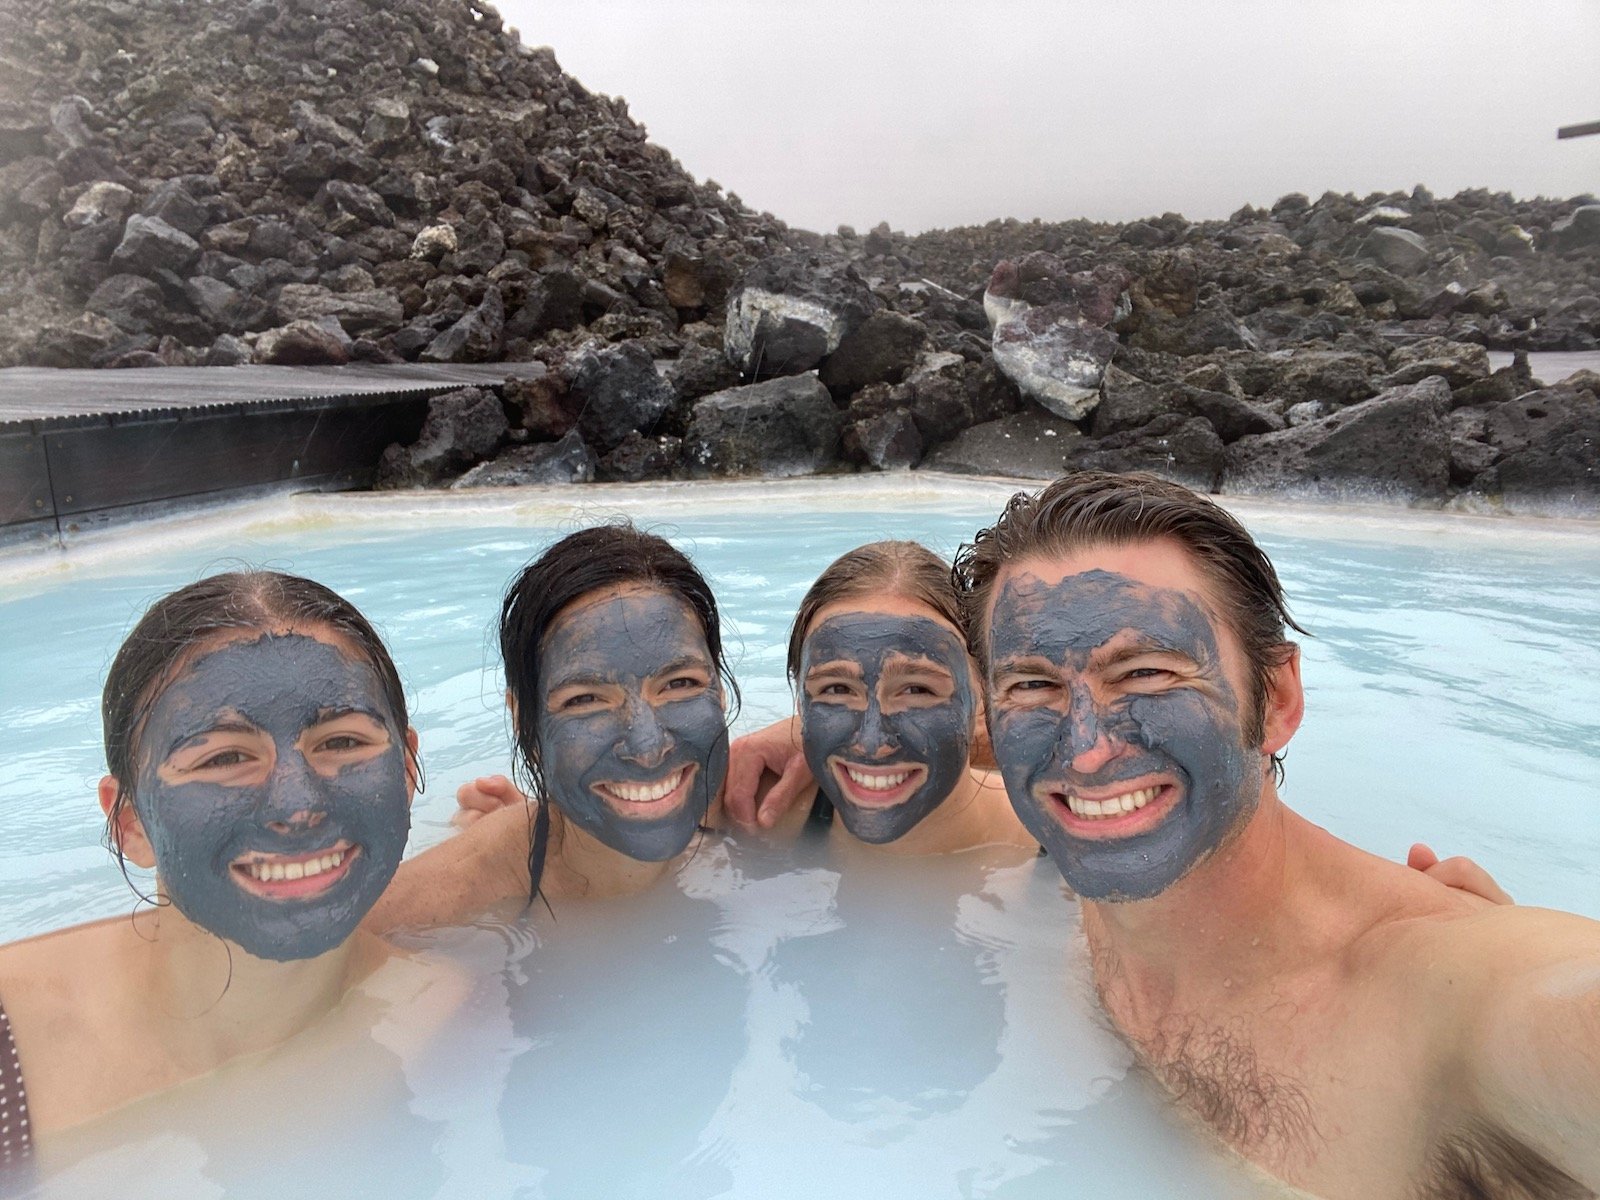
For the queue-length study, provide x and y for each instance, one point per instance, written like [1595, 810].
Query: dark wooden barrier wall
[79, 452]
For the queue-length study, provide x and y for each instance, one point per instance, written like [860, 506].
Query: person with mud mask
[1349, 1025]
[617, 688]
[890, 736]
[888, 709]
[261, 762]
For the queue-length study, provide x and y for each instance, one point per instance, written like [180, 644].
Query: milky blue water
[778, 1021]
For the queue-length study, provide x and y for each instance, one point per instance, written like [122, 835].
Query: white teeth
[1113, 806]
[643, 793]
[877, 783]
[270, 872]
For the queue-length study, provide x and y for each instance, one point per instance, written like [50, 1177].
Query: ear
[123, 824]
[1285, 702]
[412, 744]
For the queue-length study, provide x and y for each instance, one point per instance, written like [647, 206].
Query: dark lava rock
[565, 461]
[476, 337]
[879, 350]
[462, 428]
[1128, 402]
[615, 391]
[790, 312]
[639, 458]
[373, 310]
[174, 203]
[699, 371]
[1027, 445]
[1176, 447]
[149, 243]
[130, 302]
[1579, 231]
[304, 343]
[886, 442]
[1398, 250]
[1549, 450]
[1230, 416]
[1395, 446]
[1460, 363]
[786, 426]
[1210, 327]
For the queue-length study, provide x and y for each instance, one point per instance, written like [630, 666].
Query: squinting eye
[1147, 673]
[342, 741]
[834, 689]
[222, 758]
[579, 700]
[683, 681]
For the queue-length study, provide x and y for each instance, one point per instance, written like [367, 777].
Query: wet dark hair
[1099, 508]
[590, 560]
[894, 568]
[182, 621]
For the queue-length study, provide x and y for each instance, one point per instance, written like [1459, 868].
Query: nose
[875, 736]
[293, 801]
[1088, 747]
[644, 741]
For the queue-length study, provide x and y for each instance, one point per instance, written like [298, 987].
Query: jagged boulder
[785, 426]
[1027, 445]
[462, 428]
[1057, 363]
[565, 461]
[616, 390]
[1394, 446]
[790, 312]
[1175, 446]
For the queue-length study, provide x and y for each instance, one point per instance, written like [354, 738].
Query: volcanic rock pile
[319, 181]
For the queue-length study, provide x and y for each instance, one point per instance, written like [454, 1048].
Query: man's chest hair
[1269, 1117]
[1478, 1162]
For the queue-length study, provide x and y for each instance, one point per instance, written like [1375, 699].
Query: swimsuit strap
[16, 1136]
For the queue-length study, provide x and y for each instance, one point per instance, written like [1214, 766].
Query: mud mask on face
[1191, 737]
[867, 728]
[204, 833]
[621, 739]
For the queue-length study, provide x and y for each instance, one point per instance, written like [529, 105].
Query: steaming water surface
[780, 1022]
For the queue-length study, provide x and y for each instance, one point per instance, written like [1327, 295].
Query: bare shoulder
[66, 993]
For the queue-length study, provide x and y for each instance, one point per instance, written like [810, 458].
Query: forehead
[640, 623]
[1101, 590]
[259, 672]
[887, 605]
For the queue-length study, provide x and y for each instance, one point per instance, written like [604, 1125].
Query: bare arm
[484, 865]
[773, 751]
[1534, 1049]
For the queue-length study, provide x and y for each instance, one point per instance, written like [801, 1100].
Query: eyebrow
[231, 724]
[682, 662]
[846, 667]
[916, 664]
[1035, 663]
[325, 715]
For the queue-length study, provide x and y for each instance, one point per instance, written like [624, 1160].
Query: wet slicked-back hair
[183, 620]
[907, 569]
[1102, 508]
[590, 560]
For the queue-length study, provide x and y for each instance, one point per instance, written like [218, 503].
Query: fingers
[1421, 858]
[1465, 875]
[487, 793]
[739, 790]
[793, 781]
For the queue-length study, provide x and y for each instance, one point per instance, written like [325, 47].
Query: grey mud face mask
[595, 755]
[281, 685]
[933, 736]
[1191, 737]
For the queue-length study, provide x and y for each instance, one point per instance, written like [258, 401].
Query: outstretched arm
[459, 879]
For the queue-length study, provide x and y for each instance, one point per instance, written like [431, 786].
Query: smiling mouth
[648, 799]
[1106, 813]
[294, 876]
[879, 786]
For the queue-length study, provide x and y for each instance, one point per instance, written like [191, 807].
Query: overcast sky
[950, 112]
